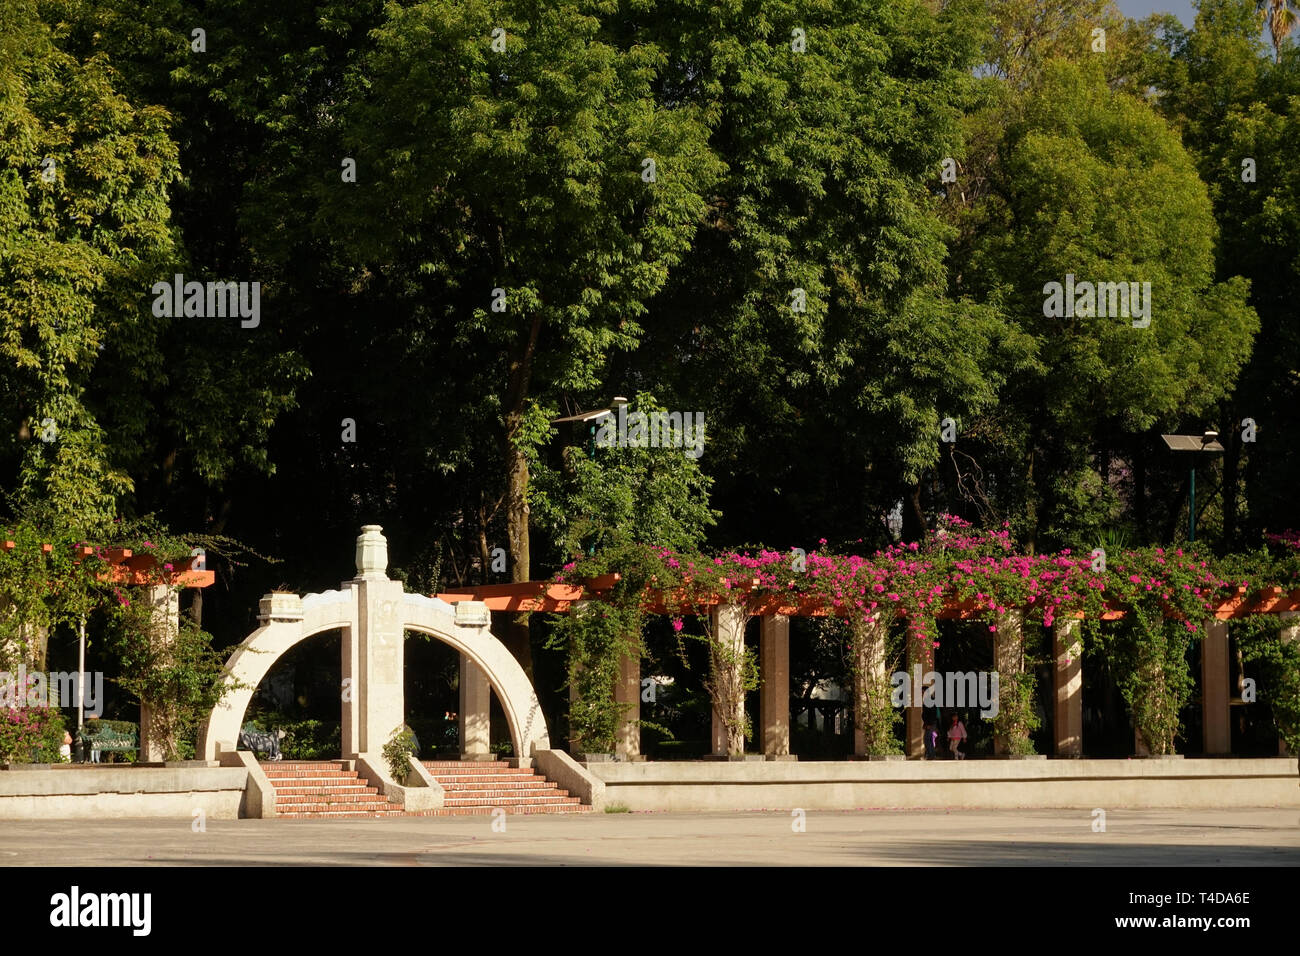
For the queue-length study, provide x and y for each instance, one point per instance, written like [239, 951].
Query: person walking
[930, 737]
[956, 737]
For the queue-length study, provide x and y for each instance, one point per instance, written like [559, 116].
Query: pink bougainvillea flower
[677, 624]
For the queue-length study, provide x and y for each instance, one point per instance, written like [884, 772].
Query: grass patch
[617, 808]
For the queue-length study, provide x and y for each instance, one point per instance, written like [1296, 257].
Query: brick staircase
[477, 787]
[324, 788]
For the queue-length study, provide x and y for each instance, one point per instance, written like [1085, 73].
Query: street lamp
[1208, 443]
[593, 416]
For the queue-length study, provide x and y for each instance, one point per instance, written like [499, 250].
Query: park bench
[107, 739]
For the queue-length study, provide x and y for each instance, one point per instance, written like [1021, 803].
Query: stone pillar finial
[372, 554]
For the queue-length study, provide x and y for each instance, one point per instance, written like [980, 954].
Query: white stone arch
[287, 620]
[518, 699]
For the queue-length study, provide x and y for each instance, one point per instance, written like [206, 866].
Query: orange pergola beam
[139, 570]
[547, 596]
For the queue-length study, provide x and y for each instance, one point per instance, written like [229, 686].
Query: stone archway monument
[373, 613]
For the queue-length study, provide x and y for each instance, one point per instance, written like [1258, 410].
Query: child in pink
[956, 736]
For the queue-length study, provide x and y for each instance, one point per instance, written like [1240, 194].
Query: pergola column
[1216, 720]
[728, 624]
[627, 742]
[154, 715]
[474, 719]
[871, 683]
[914, 714]
[1008, 658]
[774, 691]
[1068, 688]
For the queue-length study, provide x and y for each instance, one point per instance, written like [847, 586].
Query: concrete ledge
[71, 793]
[968, 784]
[259, 793]
[420, 792]
[569, 775]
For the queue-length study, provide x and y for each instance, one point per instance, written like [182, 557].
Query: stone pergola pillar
[914, 715]
[1067, 688]
[728, 625]
[627, 741]
[154, 715]
[774, 691]
[1216, 719]
[1008, 658]
[869, 679]
[374, 652]
[474, 719]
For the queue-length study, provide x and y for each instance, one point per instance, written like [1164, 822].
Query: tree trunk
[516, 636]
[217, 527]
[1031, 500]
[1140, 488]
[1231, 458]
[913, 515]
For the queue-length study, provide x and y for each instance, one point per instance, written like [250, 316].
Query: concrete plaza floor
[1244, 837]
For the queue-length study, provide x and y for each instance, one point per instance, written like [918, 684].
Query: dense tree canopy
[828, 227]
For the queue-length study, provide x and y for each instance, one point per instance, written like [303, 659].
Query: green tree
[810, 319]
[84, 228]
[538, 206]
[604, 498]
[1091, 183]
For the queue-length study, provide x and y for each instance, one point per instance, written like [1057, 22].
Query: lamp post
[594, 417]
[1207, 443]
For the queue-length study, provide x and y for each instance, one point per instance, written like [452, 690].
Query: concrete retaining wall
[122, 791]
[567, 774]
[970, 784]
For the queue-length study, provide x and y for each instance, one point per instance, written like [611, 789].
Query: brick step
[536, 783]
[285, 799]
[302, 764]
[312, 775]
[507, 796]
[350, 814]
[508, 801]
[468, 771]
[362, 806]
[510, 811]
[328, 788]
[486, 779]
[431, 764]
[318, 783]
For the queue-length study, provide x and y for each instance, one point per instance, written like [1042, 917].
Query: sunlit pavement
[1250, 837]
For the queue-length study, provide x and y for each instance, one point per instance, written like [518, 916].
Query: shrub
[31, 735]
[399, 747]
